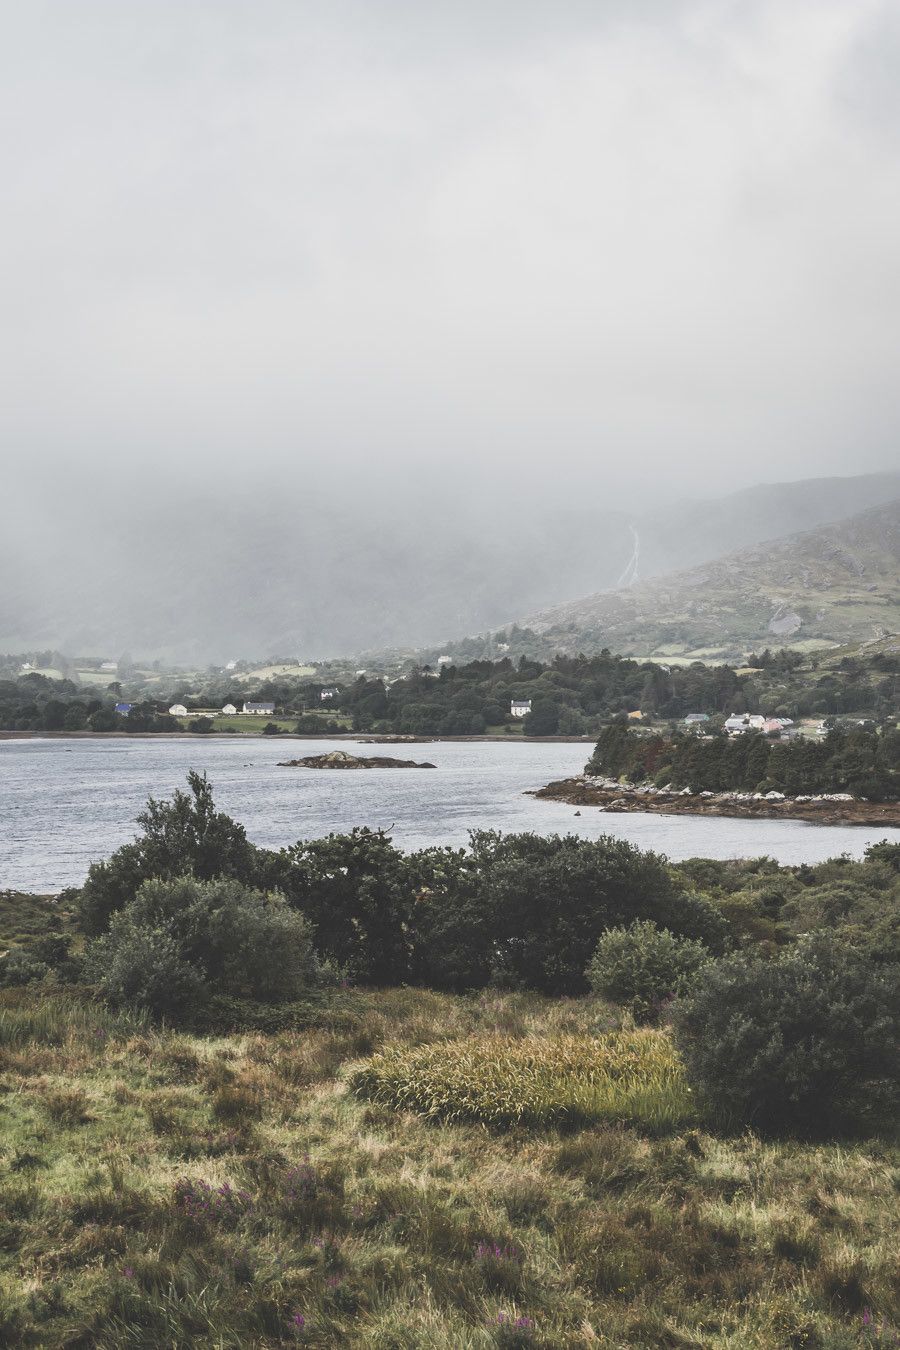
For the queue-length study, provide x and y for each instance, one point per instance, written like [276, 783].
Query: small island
[340, 759]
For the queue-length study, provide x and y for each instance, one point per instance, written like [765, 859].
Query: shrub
[180, 941]
[21, 966]
[528, 911]
[184, 835]
[806, 1042]
[642, 965]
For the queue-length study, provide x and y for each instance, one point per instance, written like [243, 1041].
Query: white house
[178, 710]
[229, 710]
[259, 709]
[520, 707]
[445, 660]
[327, 695]
[744, 722]
[109, 665]
[230, 665]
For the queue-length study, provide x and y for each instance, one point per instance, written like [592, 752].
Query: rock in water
[340, 759]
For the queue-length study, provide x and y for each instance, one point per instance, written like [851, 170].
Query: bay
[65, 802]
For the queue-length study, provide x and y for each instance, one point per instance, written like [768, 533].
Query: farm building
[520, 707]
[259, 709]
[229, 710]
[178, 710]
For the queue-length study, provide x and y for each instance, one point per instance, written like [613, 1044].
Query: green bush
[178, 942]
[642, 965]
[184, 835]
[807, 1042]
[20, 966]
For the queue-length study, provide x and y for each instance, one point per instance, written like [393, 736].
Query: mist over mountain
[839, 583]
[207, 571]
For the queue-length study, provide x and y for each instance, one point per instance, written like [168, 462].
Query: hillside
[291, 570]
[836, 584]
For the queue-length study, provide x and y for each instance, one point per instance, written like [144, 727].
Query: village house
[520, 707]
[109, 665]
[741, 722]
[636, 716]
[229, 710]
[259, 709]
[693, 719]
[328, 694]
[178, 710]
[777, 726]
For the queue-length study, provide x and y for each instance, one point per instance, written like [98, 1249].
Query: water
[66, 802]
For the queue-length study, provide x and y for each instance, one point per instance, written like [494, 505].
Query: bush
[642, 965]
[807, 1042]
[184, 835]
[20, 966]
[178, 942]
[528, 911]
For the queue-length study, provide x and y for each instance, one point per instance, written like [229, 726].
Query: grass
[159, 1189]
[633, 1077]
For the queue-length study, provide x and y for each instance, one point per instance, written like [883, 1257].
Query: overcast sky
[598, 239]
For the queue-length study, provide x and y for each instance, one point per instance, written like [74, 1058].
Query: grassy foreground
[165, 1190]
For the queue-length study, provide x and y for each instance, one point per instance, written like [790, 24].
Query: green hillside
[836, 584]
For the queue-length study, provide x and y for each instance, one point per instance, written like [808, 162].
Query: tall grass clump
[63, 1018]
[626, 1076]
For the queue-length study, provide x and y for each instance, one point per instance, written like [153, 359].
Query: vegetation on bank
[568, 695]
[216, 1133]
[858, 760]
[163, 1188]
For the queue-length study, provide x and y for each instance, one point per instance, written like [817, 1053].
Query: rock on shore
[837, 808]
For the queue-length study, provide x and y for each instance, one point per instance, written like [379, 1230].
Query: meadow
[159, 1188]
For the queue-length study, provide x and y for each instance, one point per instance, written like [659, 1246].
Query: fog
[329, 323]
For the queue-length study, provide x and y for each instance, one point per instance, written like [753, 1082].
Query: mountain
[256, 567]
[838, 583]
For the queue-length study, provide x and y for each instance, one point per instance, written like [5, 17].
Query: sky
[620, 241]
[367, 259]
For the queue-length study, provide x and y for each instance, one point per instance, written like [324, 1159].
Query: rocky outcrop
[837, 808]
[340, 759]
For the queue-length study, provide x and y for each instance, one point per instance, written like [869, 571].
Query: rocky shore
[339, 759]
[837, 808]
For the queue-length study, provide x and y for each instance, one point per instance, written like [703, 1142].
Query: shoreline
[617, 799]
[361, 737]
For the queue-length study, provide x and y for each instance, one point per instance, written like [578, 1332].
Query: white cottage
[520, 707]
[178, 710]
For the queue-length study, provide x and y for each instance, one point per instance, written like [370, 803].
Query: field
[163, 1189]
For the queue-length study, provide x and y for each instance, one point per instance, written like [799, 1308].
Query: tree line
[859, 760]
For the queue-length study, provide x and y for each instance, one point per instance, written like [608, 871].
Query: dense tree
[186, 835]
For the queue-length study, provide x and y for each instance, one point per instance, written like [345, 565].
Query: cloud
[608, 242]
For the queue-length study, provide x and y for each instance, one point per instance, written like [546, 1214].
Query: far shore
[366, 737]
[620, 799]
